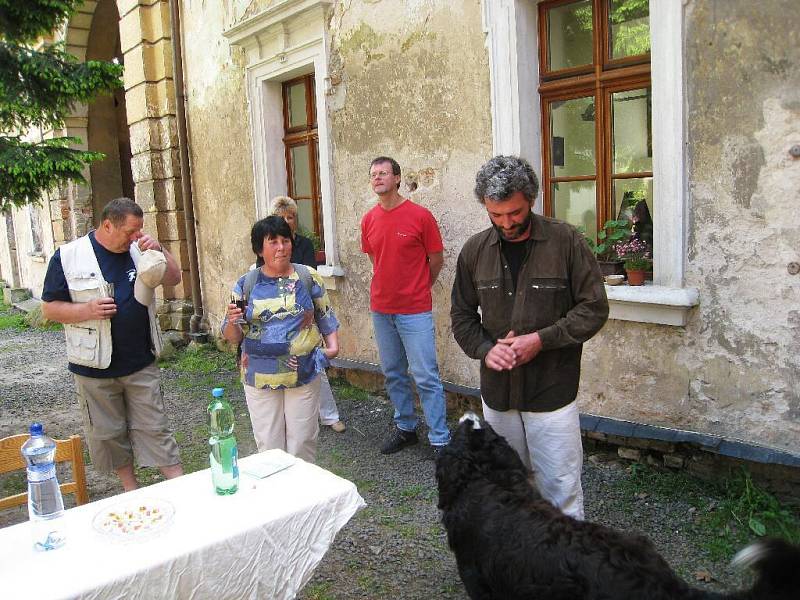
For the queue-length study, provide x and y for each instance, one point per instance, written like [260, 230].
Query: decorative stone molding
[287, 39]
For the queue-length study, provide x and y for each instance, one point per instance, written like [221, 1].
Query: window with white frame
[287, 81]
[515, 37]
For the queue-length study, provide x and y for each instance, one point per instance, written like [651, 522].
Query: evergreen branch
[39, 87]
[26, 20]
[27, 170]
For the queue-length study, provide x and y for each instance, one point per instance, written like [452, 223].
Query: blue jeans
[407, 341]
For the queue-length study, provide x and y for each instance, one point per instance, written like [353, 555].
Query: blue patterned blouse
[284, 321]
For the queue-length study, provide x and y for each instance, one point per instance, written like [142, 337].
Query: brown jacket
[559, 293]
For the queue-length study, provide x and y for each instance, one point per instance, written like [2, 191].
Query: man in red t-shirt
[403, 242]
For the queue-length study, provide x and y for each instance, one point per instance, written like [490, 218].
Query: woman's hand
[234, 313]
[233, 331]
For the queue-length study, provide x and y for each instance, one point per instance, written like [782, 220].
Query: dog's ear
[454, 466]
[452, 474]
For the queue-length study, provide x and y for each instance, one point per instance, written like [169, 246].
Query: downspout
[186, 177]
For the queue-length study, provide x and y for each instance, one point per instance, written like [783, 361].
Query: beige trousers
[123, 416]
[286, 418]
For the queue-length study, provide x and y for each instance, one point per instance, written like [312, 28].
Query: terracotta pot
[611, 267]
[635, 277]
[319, 256]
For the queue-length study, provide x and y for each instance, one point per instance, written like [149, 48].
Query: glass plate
[134, 519]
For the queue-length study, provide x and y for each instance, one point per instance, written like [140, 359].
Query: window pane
[570, 35]
[572, 137]
[630, 27]
[633, 200]
[631, 131]
[296, 99]
[305, 214]
[575, 203]
[301, 175]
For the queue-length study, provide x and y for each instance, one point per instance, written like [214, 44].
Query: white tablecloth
[262, 542]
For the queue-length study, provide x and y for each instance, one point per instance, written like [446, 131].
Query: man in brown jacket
[527, 294]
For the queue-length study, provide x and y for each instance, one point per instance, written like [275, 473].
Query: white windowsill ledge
[651, 303]
[330, 275]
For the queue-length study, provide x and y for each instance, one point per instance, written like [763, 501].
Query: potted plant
[612, 233]
[637, 259]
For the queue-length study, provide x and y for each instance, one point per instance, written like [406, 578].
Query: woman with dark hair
[303, 253]
[288, 333]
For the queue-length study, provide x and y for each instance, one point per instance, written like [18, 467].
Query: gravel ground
[395, 547]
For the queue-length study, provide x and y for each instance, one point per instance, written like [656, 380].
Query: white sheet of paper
[268, 464]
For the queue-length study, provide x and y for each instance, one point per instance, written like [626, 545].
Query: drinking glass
[241, 304]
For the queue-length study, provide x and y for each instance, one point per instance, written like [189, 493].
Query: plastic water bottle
[224, 452]
[45, 504]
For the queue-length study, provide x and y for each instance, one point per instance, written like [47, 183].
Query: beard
[517, 231]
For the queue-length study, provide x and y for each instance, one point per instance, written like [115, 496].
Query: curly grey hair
[501, 176]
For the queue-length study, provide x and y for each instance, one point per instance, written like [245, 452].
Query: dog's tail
[777, 564]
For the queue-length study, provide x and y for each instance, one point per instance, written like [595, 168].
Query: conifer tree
[40, 83]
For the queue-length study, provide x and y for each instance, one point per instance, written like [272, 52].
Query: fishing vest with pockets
[89, 342]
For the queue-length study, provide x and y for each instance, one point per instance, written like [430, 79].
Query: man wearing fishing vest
[101, 287]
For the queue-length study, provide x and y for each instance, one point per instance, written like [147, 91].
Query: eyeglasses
[379, 174]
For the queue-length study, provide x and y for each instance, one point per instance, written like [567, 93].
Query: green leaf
[22, 20]
[757, 526]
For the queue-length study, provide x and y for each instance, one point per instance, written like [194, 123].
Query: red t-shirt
[400, 241]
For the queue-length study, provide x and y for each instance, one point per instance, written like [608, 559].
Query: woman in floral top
[288, 338]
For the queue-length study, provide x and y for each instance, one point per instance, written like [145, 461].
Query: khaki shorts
[125, 416]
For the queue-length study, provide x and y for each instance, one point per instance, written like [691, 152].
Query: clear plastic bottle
[45, 503]
[224, 452]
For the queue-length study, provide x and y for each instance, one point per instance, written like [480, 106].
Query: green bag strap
[250, 282]
[305, 277]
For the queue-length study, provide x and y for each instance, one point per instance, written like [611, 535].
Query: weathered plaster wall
[735, 369]
[415, 86]
[221, 155]
[411, 80]
[32, 265]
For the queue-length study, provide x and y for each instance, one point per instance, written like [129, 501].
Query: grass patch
[18, 321]
[747, 512]
[731, 514]
[14, 483]
[319, 591]
[12, 320]
[200, 359]
[412, 491]
[345, 390]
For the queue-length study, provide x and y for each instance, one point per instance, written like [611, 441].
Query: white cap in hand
[149, 274]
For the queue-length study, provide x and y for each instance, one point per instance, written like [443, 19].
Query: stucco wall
[411, 80]
[415, 86]
[735, 369]
[221, 155]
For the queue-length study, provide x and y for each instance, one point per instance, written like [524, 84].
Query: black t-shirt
[130, 326]
[514, 253]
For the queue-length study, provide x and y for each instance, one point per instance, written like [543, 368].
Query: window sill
[330, 275]
[651, 303]
[37, 257]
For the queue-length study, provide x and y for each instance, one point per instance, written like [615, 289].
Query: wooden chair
[69, 450]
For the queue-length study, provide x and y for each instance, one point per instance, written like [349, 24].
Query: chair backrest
[66, 451]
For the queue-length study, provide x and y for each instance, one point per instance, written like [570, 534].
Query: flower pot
[319, 256]
[635, 277]
[611, 267]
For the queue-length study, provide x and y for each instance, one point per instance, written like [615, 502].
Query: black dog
[510, 544]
